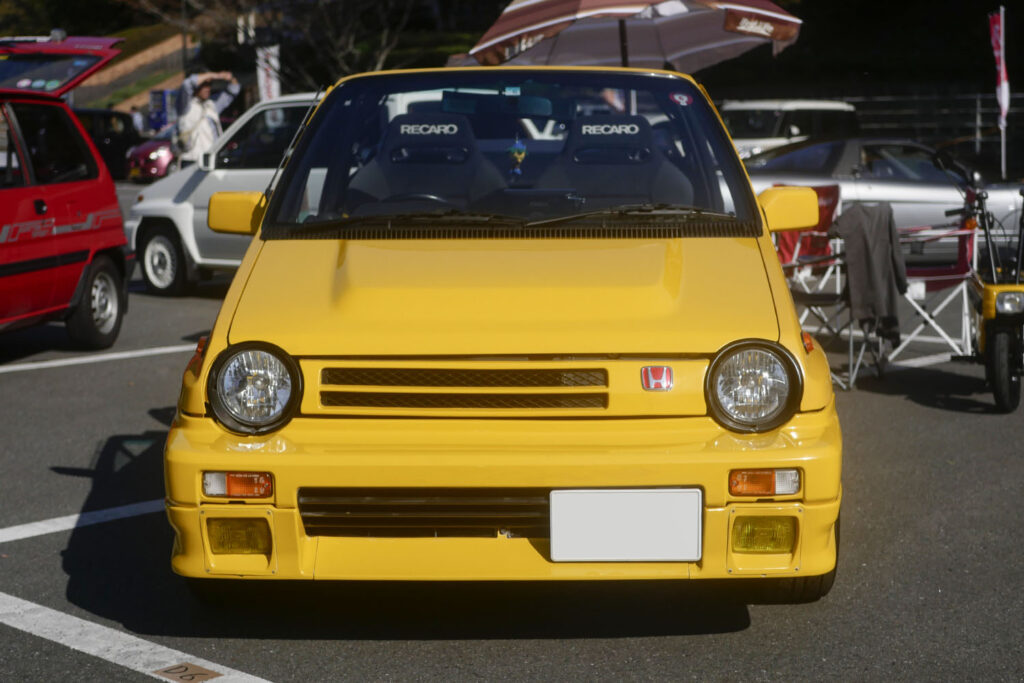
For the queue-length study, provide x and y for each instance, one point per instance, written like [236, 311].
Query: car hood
[406, 297]
[144, 148]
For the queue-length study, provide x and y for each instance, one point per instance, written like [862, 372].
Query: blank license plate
[626, 525]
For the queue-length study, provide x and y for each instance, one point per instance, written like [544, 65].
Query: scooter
[997, 297]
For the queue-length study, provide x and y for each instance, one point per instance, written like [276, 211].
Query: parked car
[920, 183]
[167, 226]
[113, 134]
[63, 253]
[453, 352]
[152, 158]
[760, 125]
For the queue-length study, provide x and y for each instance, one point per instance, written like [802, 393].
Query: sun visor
[52, 67]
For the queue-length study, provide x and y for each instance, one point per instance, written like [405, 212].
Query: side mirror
[206, 161]
[238, 213]
[789, 208]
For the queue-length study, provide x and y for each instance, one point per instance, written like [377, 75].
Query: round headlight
[753, 386]
[254, 389]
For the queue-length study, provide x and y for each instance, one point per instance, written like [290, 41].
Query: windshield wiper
[398, 220]
[667, 212]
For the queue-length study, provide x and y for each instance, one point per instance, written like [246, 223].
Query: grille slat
[423, 512]
[367, 399]
[443, 377]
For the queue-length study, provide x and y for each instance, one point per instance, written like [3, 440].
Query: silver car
[920, 183]
[167, 226]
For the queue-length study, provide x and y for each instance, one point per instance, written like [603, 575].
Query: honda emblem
[656, 377]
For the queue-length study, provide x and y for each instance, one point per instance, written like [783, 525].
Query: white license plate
[626, 525]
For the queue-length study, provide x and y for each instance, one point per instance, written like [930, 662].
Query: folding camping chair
[933, 289]
[868, 255]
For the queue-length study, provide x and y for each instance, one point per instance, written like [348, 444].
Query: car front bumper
[691, 453]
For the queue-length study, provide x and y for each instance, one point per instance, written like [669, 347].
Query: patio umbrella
[688, 35]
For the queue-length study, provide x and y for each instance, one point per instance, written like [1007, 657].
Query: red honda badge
[656, 377]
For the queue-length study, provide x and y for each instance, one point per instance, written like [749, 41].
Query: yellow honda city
[509, 324]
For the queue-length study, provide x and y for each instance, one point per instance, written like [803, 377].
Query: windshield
[42, 72]
[528, 144]
[752, 123]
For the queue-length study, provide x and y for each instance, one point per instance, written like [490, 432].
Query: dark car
[113, 134]
[63, 253]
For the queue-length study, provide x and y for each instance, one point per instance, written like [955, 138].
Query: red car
[153, 158]
[63, 253]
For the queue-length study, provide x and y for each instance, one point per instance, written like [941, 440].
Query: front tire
[1001, 372]
[163, 263]
[96, 321]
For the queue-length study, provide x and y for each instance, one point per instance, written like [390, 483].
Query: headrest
[617, 129]
[616, 139]
[428, 129]
[429, 138]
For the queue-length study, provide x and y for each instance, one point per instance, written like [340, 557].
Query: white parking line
[49, 526]
[97, 358]
[109, 644]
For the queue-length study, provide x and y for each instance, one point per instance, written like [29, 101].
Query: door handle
[40, 207]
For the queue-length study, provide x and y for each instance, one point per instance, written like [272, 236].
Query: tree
[321, 40]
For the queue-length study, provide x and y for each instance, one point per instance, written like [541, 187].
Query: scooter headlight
[254, 388]
[753, 386]
[1010, 302]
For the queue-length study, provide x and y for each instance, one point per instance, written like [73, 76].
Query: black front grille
[367, 399]
[424, 512]
[443, 377]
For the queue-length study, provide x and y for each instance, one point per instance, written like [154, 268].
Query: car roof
[788, 105]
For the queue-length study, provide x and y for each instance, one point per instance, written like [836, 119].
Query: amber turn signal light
[238, 484]
[764, 482]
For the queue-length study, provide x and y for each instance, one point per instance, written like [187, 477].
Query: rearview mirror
[238, 213]
[206, 161]
[789, 208]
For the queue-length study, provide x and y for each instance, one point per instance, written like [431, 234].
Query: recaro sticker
[610, 129]
[428, 129]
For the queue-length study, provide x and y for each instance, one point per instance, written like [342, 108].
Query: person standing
[137, 120]
[199, 125]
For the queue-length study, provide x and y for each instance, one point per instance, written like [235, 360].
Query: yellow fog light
[764, 534]
[239, 536]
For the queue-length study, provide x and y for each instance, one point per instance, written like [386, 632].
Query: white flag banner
[268, 65]
[996, 29]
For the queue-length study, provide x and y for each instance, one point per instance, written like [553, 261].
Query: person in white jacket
[199, 124]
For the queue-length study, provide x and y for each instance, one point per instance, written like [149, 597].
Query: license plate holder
[626, 525]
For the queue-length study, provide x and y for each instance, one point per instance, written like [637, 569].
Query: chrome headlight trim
[229, 418]
[778, 417]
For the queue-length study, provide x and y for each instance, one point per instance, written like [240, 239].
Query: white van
[759, 125]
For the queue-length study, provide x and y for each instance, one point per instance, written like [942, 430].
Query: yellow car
[509, 324]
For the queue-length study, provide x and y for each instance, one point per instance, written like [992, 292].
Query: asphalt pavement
[928, 587]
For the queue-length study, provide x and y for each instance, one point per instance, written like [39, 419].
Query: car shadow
[120, 570]
[30, 341]
[942, 388]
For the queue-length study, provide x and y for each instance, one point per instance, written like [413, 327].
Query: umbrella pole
[624, 51]
[623, 43]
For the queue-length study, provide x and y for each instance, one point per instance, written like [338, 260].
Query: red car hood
[51, 67]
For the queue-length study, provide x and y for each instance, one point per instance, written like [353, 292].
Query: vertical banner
[996, 26]
[268, 65]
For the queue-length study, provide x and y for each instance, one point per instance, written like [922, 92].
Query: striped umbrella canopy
[687, 35]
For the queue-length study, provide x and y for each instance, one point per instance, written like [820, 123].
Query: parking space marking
[49, 526]
[97, 358]
[116, 647]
